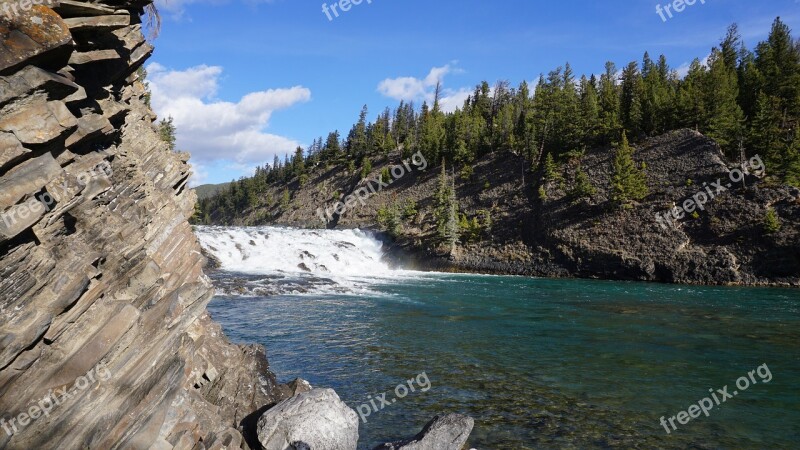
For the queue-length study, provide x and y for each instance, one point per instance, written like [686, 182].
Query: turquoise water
[542, 363]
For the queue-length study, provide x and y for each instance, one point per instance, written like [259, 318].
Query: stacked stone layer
[98, 264]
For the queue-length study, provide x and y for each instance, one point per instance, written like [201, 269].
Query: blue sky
[245, 79]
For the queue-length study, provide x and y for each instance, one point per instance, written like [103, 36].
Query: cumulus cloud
[220, 132]
[424, 89]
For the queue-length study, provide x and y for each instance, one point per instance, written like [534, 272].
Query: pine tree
[582, 187]
[657, 96]
[551, 170]
[298, 162]
[167, 132]
[725, 125]
[589, 110]
[631, 101]
[366, 168]
[357, 139]
[765, 131]
[629, 182]
[690, 101]
[791, 162]
[332, 148]
[778, 61]
[446, 213]
[610, 124]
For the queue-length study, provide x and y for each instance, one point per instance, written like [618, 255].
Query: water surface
[538, 363]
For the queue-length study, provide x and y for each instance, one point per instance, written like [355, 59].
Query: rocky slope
[104, 337]
[558, 236]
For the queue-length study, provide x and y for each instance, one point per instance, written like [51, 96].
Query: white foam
[351, 258]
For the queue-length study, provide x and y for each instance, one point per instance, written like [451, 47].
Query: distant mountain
[209, 190]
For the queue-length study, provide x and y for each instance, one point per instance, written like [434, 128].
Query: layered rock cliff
[104, 337]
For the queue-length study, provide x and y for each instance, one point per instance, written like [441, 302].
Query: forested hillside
[518, 180]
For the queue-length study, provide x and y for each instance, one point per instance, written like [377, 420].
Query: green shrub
[389, 219]
[385, 176]
[466, 172]
[772, 223]
[410, 209]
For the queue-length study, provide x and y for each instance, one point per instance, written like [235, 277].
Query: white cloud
[683, 69]
[424, 89]
[455, 100]
[176, 9]
[214, 130]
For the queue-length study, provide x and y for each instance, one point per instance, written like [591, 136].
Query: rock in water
[313, 420]
[442, 433]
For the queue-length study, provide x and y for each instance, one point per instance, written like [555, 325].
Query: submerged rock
[442, 433]
[313, 420]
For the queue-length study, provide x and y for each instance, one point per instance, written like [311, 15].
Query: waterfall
[276, 260]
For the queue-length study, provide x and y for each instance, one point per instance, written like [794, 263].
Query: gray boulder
[442, 433]
[313, 420]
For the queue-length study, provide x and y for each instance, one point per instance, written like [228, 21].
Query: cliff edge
[104, 337]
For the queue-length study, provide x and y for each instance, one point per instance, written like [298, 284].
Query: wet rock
[316, 419]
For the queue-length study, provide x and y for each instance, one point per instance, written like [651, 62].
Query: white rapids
[299, 260]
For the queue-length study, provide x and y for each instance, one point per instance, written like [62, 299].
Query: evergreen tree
[791, 162]
[589, 110]
[690, 101]
[725, 125]
[765, 131]
[582, 188]
[366, 168]
[551, 170]
[610, 124]
[298, 162]
[631, 100]
[446, 213]
[357, 139]
[332, 148]
[778, 61]
[167, 132]
[629, 182]
[657, 96]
